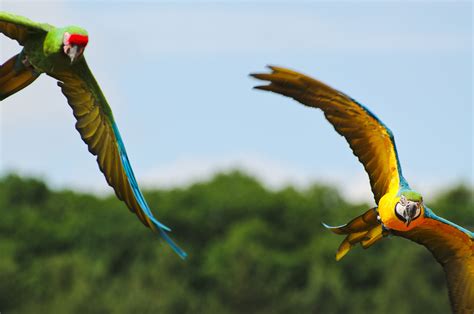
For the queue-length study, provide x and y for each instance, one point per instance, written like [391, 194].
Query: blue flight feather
[139, 196]
[429, 214]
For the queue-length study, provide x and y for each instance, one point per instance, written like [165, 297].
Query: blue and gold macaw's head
[409, 207]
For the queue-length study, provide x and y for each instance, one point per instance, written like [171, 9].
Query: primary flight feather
[58, 52]
[400, 210]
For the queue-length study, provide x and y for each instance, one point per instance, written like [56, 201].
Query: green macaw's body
[45, 54]
[51, 50]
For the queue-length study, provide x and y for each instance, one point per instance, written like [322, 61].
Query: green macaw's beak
[73, 53]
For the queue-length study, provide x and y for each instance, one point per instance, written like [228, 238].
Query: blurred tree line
[251, 250]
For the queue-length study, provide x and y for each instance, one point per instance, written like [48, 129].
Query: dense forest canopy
[251, 250]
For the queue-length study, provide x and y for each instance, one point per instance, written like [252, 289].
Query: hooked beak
[408, 221]
[409, 214]
[73, 53]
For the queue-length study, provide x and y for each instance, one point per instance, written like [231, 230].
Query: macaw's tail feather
[14, 76]
[173, 245]
[364, 229]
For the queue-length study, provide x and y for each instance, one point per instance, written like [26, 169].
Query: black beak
[409, 214]
[408, 221]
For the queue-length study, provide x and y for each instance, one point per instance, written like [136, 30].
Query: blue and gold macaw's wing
[98, 130]
[453, 248]
[20, 28]
[371, 141]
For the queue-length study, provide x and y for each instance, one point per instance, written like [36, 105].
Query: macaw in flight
[58, 52]
[400, 210]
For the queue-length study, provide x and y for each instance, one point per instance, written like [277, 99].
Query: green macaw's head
[69, 41]
[409, 207]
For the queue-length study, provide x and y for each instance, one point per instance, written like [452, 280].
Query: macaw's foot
[365, 229]
[384, 227]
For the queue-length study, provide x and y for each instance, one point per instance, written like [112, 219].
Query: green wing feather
[20, 28]
[370, 140]
[98, 130]
[453, 248]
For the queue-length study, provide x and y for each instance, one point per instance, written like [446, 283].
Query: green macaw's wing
[98, 130]
[20, 28]
[453, 248]
[370, 140]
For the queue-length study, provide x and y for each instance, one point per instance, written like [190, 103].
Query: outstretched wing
[453, 248]
[20, 28]
[370, 140]
[98, 130]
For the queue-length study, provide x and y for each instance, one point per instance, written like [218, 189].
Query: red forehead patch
[80, 40]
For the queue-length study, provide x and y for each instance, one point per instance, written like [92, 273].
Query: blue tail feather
[332, 227]
[139, 196]
[173, 245]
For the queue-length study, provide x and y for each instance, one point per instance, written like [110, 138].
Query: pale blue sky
[175, 75]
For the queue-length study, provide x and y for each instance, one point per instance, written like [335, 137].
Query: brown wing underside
[454, 250]
[368, 138]
[14, 32]
[95, 128]
[19, 28]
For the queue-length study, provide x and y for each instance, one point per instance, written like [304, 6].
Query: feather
[364, 132]
[99, 131]
[453, 247]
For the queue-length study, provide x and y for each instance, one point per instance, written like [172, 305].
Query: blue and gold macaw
[400, 210]
[58, 52]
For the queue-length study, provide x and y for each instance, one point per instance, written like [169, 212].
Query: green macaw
[400, 211]
[58, 52]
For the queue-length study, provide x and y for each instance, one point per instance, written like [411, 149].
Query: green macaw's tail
[14, 76]
[364, 229]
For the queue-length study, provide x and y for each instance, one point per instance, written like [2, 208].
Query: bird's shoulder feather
[21, 28]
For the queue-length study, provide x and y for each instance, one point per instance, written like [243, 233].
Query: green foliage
[251, 251]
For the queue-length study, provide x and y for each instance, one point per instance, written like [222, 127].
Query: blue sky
[175, 74]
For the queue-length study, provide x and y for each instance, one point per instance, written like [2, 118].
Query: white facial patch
[400, 209]
[66, 38]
